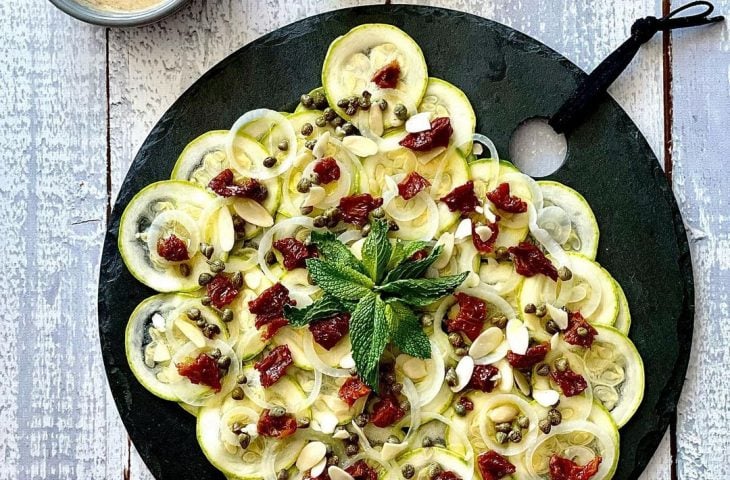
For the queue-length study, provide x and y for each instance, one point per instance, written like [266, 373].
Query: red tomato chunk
[570, 382]
[221, 290]
[387, 411]
[273, 366]
[437, 136]
[362, 471]
[494, 466]
[387, 76]
[276, 427]
[329, 331]
[172, 249]
[295, 252]
[462, 198]
[412, 185]
[565, 469]
[576, 326]
[269, 309]
[203, 370]
[471, 316]
[481, 378]
[224, 186]
[352, 390]
[532, 356]
[355, 208]
[529, 261]
[327, 170]
[504, 201]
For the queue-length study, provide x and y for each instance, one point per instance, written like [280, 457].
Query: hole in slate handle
[536, 149]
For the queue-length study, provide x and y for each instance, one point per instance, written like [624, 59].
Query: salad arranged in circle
[362, 289]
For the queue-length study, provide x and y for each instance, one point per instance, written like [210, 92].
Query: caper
[270, 258]
[304, 185]
[244, 440]
[433, 470]
[351, 109]
[393, 439]
[353, 438]
[501, 437]
[362, 420]
[216, 353]
[303, 422]
[365, 104]
[455, 339]
[215, 329]
[314, 178]
[237, 393]
[306, 210]
[320, 121]
[504, 427]
[307, 100]
[389, 378]
[307, 129]
[320, 101]
[351, 449]
[238, 223]
[227, 315]
[206, 249]
[333, 215]
[451, 377]
[184, 269]
[338, 121]
[237, 279]
[400, 111]
[320, 221]
[349, 128]
[543, 370]
[383, 104]
[426, 442]
[581, 331]
[397, 388]
[201, 323]
[352, 371]
[242, 380]
[366, 94]
[501, 254]
[365, 230]
[561, 364]
[277, 411]
[564, 274]
[551, 327]
[427, 320]
[541, 310]
[515, 436]
[282, 475]
[530, 308]
[405, 405]
[545, 425]
[205, 300]
[392, 226]
[343, 102]
[499, 321]
[224, 362]
[204, 279]
[460, 409]
[333, 460]
[408, 471]
[461, 352]
[237, 427]
[523, 421]
[216, 266]
[193, 314]
[554, 416]
[208, 331]
[329, 114]
[310, 144]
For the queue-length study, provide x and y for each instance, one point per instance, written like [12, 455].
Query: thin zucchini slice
[158, 210]
[355, 57]
[575, 408]
[202, 159]
[443, 99]
[623, 319]
[568, 218]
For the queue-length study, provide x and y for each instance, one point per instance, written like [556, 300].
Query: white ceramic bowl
[110, 18]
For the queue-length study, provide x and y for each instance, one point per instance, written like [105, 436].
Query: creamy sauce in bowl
[122, 5]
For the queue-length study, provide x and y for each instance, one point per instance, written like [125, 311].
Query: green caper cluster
[244, 439]
[329, 218]
[315, 101]
[554, 418]
[511, 431]
[357, 102]
[209, 330]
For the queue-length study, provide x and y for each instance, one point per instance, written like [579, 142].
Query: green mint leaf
[376, 250]
[339, 280]
[413, 268]
[335, 251]
[406, 330]
[403, 250]
[322, 308]
[369, 336]
[423, 291]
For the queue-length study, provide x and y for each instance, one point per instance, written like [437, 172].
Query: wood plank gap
[108, 135]
[127, 472]
[668, 99]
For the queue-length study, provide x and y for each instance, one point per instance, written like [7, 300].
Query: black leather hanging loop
[589, 92]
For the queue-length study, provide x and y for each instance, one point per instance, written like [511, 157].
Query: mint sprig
[380, 292]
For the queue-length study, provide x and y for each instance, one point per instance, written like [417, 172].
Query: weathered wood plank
[701, 61]
[54, 410]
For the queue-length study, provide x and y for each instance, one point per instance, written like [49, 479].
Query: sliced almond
[554, 341]
[315, 196]
[559, 316]
[506, 376]
[477, 149]
[392, 450]
[419, 122]
[488, 213]
[226, 233]
[320, 148]
[311, 455]
[341, 434]
[518, 337]
[463, 230]
[484, 232]
[486, 342]
[503, 413]
[464, 370]
[158, 321]
[546, 398]
[347, 361]
[253, 279]
[376, 121]
[162, 353]
[446, 241]
[521, 382]
[425, 157]
[360, 146]
[319, 468]
[415, 368]
[192, 332]
[327, 422]
[253, 212]
[335, 472]
[472, 280]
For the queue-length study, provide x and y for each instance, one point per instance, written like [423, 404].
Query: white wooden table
[76, 101]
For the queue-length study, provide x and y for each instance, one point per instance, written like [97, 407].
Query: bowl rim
[139, 18]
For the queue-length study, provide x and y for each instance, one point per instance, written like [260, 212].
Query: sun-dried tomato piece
[446, 475]
[362, 471]
[484, 246]
[273, 366]
[203, 370]
[570, 382]
[470, 318]
[269, 309]
[387, 411]
[565, 469]
[532, 356]
[529, 261]
[328, 331]
[465, 402]
[494, 466]
[352, 390]
[576, 322]
[295, 252]
[462, 198]
[355, 208]
[327, 170]
[504, 201]
[437, 136]
[387, 76]
[412, 185]
[221, 290]
[276, 427]
[482, 378]
[172, 248]
[224, 186]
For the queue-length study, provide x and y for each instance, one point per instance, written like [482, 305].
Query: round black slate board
[508, 77]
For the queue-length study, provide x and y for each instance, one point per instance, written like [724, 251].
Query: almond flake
[464, 370]
[463, 230]
[518, 337]
[311, 455]
[559, 316]
[335, 472]
[486, 342]
[360, 146]
[253, 212]
[315, 196]
[546, 398]
[419, 122]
